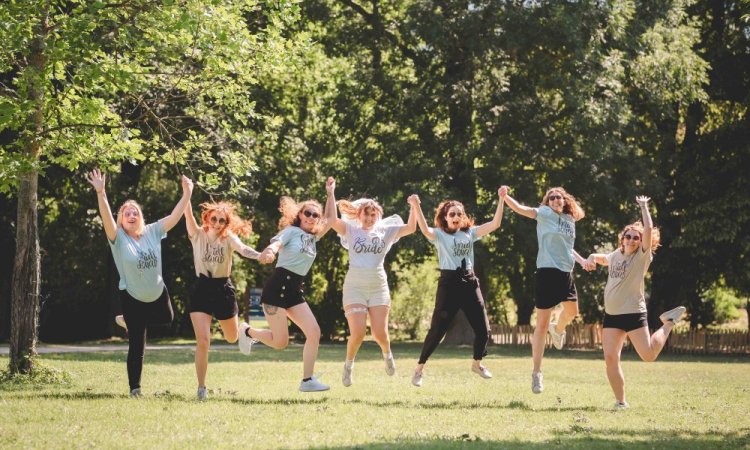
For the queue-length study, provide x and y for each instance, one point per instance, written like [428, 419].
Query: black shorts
[625, 322]
[284, 289]
[214, 296]
[554, 286]
[157, 312]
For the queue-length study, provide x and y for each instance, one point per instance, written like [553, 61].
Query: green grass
[676, 402]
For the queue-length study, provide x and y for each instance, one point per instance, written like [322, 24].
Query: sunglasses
[555, 197]
[634, 237]
[312, 214]
[221, 221]
[453, 214]
[131, 213]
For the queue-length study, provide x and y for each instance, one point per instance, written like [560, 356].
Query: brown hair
[442, 210]
[142, 220]
[290, 211]
[234, 223]
[572, 207]
[638, 227]
[350, 211]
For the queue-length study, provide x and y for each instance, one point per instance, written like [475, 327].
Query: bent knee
[649, 357]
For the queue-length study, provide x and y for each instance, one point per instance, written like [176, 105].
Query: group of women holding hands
[368, 236]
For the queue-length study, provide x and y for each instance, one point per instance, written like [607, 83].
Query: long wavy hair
[352, 210]
[141, 227]
[638, 228]
[442, 210]
[234, 224]
[572, 207]
[290, 211]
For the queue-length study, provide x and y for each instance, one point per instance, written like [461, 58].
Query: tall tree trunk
[25, 284]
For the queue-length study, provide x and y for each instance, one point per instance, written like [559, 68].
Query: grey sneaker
[673, 315]
[390, 366]
[313, 385]
[621, 405]
[245, 342]
[537, 385]
[202, 393]
[120, 320]
[558, 339]
[135, 393]
[346, 378]
[482, 372]
[416, 380]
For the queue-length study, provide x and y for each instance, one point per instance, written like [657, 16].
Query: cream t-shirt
[625, 290]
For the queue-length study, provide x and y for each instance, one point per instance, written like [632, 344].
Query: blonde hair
[234, 223]
[572, 207]
[352, 210]
[290, 211]
[141, 228]
[442, 210]
[638, 227]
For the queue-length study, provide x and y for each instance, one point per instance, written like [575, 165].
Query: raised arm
[171, 220]
[494, 224]
[338, 225]
[243, 250]
[421, 221]
[519, 208]
[97, 179]
[330, 204]
[411, 225]
[648, 224]
[190, 222]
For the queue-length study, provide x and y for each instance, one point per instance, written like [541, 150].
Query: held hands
[97, 179]
[267, 256]
[642, 200]
[330, 185]
[413, 200]
[588, 265]
[187, 185]
[591, 260]
[502, 192]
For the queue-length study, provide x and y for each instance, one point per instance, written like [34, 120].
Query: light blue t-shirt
[138, 262]
[453, 248]
[297, 249]
[556, 234]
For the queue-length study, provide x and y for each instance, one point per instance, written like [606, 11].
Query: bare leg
[539, 338]
[229, 328]
[202, 327]
[649, 347]
[357, 328]
[305, 320]
[379, 325]
[569, 312]
[612, 341]
[278, 336]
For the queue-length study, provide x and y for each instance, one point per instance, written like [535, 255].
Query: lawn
[676, 402]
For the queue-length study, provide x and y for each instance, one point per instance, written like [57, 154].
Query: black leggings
[456, 290]
[138, 315]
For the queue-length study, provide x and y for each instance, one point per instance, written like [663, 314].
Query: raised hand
[330, 185]
[97, 179]
[503, 191]
[413, 200]
[187, 185]
[642, 200]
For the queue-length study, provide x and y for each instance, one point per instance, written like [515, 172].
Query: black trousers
[457, 289]
[138, 316]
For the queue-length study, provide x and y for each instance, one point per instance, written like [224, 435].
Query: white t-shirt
[367, 248]
[214, 257]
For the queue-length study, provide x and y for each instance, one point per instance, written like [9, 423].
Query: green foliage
[414, 299]
[720, 304]
[42, 374]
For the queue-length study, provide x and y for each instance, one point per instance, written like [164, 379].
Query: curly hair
[572, 207]
[352, 210]
[442, 210]
[290, 211]
[638, 228]
[141, 228]
[234, 223]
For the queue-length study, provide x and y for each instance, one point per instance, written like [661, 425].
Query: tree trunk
[25, 284]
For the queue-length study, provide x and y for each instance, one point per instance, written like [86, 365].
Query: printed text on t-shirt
[375, 247]
[565, 227]
[213, 254]
[308, 244]
[461, 248]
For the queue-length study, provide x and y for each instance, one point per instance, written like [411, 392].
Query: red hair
[442, 210]
[234, 223]
[290, 211]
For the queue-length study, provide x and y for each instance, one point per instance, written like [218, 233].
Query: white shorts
[366, 286]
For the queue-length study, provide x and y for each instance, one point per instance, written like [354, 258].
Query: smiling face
[556, 201]
[309, 216]
[453, 218]
[630, 241]
[130, 218]
[217, 222]
[368, 217]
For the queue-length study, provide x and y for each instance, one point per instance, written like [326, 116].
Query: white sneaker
[390, 365]
[313, 385]
[537, 385]
[135, 393]
[202, 393]
[481, 371]
[245, 342]
[346, 378]
[558, 339]
[120, 320]
[621, 405]
[416, 380]
[673, 315]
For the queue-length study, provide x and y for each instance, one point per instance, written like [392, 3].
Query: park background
[446, 99]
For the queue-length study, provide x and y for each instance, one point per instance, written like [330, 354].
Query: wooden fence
[589, 336]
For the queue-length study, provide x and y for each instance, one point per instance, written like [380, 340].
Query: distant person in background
[368, 238]
[625, 301]
[556, 221]
[301, 226]
[458, 288]
[136, 249]
[213, 242]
